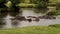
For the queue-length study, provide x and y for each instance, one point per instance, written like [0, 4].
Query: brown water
[42, 22]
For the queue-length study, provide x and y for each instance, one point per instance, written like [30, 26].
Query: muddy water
[42, 22]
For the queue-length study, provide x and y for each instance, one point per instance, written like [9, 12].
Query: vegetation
[16, 4]
[58, 6]
[15, 1]
[2, 8]
[54, 13]
[32, 30]
[41, 3]
[55, 25]
[26, 5]
[5, 8]
[14, 10]
[3, 12]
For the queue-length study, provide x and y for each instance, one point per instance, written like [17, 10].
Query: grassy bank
[32, 30]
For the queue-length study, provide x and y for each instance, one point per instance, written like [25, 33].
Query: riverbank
[32, 30]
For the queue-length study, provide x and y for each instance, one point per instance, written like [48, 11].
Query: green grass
[32, 30]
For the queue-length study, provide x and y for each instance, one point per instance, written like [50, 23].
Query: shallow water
[42, 22]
